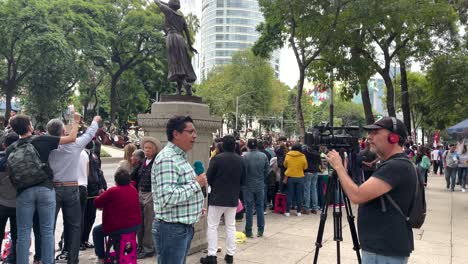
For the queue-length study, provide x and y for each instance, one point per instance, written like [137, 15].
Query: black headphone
[393, 137]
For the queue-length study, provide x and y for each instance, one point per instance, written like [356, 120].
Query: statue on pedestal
[180, 68]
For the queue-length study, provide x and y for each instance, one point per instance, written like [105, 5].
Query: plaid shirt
[177, 197]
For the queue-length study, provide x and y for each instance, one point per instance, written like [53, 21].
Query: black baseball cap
[389, 124]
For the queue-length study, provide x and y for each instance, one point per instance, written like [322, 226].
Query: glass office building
[226, 27]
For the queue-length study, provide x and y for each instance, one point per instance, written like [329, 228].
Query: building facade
[228, 26]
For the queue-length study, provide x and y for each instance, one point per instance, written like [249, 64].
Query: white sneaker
[463, 190]
[287, 214]
[298, 214]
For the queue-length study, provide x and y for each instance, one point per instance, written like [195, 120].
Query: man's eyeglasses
[190, 131]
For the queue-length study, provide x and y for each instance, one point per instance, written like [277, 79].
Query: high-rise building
[228, 26]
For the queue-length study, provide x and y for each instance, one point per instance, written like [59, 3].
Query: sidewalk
[116, 154]
[441, 240]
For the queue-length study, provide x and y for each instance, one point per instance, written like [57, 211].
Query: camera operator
[385, 235]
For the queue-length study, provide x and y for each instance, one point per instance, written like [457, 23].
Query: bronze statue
[180, 67]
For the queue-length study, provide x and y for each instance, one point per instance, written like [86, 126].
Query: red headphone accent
[393, 137]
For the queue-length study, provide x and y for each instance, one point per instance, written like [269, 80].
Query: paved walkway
[441, 240]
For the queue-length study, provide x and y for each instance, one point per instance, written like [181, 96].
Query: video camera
[333, 137]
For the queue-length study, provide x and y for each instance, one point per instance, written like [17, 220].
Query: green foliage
[307, 26]
[248, 77]
[448, 78]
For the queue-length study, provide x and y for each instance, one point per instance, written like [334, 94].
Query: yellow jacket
[295, 164]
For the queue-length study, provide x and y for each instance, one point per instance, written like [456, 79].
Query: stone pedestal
[154, 125]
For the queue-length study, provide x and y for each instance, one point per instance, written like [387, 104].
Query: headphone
[393, 137]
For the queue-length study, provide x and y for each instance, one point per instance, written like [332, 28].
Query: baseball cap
[387, 123]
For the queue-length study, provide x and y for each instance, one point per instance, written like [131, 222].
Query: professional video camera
[325, 135]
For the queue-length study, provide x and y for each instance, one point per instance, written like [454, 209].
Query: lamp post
[237, 104]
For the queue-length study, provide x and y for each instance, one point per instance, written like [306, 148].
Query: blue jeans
[254, 198]
[172, 241]
[450, 177]
[295, 192]
[310, 191]
[372, 258]
[320, 195]
[41, 199]
[462, 171]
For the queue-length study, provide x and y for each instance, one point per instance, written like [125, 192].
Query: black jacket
[313, 160]
[226, 175]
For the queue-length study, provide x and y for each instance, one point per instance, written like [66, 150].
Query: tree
[448, 79]
[134, 36]
[389, 27]
[307, 26]
[26, 37]
[248, 77]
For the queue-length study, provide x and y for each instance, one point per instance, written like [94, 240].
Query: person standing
[39, 196]
[64, 162]
[96, 185]
[257, 167]
[7, 199]
[151, 147]
[435, 160]
[391, 240]
[463, 167]
[226, 175]
[295, 164]
[177, 193]
[450, 160]
[310, 180]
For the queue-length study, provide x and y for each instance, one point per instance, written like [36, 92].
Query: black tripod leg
[337, 217]
[352, 227]
[331, 184]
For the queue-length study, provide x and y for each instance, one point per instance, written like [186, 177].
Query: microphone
[199, 169]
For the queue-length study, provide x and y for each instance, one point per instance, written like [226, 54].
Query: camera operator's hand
[334, 159]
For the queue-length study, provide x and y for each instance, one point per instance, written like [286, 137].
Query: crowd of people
[160, 197]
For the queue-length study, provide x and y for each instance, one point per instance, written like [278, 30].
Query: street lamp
[237, 104]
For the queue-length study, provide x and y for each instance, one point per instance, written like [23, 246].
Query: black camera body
[333, 137]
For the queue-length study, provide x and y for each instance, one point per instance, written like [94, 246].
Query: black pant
[83, 196]
[89, 218]
[5, 214]
[435, 166]
[68, 199]
[37, 237]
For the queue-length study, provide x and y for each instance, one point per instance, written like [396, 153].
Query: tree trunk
[422, 136]
[366, 102]
[113, 98]
[390, 93]
[299, 114]
[405, 105]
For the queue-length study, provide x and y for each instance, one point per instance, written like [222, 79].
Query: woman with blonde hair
[126, 163]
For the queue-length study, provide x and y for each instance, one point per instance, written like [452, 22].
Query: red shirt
[120, 208]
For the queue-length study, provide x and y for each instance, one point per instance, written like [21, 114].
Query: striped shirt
[177, 197]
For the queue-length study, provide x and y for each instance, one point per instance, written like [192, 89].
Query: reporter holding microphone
[177, 193]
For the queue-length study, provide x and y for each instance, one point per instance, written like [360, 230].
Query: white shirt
[83, 169]
[435, 154]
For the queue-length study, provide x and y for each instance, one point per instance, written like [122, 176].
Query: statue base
[181, 98]
[154, 125]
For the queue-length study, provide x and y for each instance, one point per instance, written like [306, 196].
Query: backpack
[417, 210]
[25, 166]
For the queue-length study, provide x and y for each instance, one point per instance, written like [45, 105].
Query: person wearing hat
[385, 235]
[151, 147]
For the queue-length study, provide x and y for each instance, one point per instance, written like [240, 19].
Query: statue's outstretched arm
[159, 3]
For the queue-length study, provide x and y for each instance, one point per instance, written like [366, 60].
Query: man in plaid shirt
[177, 193]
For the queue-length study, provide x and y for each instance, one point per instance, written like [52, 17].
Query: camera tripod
[335, 192]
